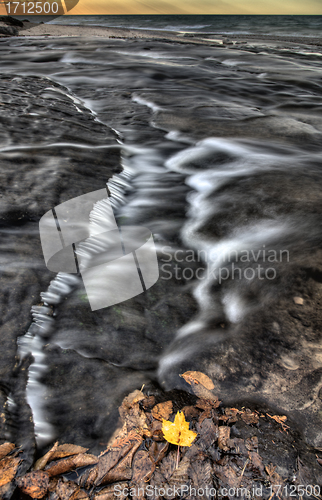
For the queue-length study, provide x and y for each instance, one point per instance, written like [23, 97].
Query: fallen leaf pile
[140, 461]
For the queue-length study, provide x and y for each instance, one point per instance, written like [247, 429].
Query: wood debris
[138, 459]
[280, 419]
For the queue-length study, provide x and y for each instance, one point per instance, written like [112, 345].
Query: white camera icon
[116, 263]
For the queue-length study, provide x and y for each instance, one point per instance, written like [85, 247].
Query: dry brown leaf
[180, 474]
[257, 462]
[134, 417]
[156, 431]
[42, 462]
[143, 467]
[83, 478]
[8, 469]
[148, 402]
[84, 459]
[157, 451]
[122, 470]
[121, 447]
[319, 460]
[207, 414]
[66, 489]
[231, 414]
[35, 484]
[120, 439]
[162, 410]
[6, 490]
[92, 476]
[67, 450]
[70, 463]
[201, 474]
[131, 413]
[112, 492]
[53, 481]
[60, 466]
[107, 462]
[251, 443]
[223, 437]
[209, 432]
[190, 412]
[195, 452]
[79, 495]
[249, 417]
[205, 404]
[237, 446]
[5, 449]
[168, 464]
[133, 398]
[227, 475]
[208, 406]
[192, 377]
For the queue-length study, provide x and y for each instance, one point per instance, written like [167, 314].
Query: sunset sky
[194, 7]
[198, 7]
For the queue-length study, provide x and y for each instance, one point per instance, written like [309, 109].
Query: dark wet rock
[44, 132]
[11, 21]
[8, 30]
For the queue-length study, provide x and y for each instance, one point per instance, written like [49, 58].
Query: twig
[242, 473]
[177, 464]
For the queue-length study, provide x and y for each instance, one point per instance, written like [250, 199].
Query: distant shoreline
[56, 30]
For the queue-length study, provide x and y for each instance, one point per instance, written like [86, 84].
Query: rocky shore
[10, 26]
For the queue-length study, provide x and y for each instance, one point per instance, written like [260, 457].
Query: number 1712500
[33, 8]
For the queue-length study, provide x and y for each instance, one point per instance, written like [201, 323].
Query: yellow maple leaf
[177, 432]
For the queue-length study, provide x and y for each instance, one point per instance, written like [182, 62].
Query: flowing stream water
[217, 151]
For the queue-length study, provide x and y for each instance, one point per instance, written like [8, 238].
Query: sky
[92, 7]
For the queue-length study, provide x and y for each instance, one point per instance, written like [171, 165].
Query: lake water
[226, 24]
